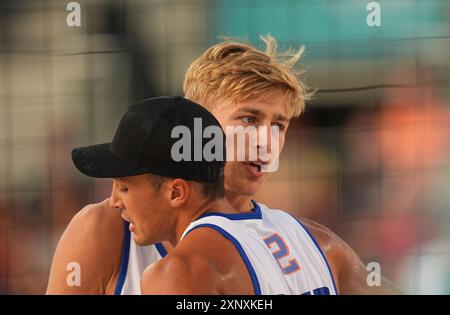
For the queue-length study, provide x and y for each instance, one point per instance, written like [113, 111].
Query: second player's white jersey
[280, 254]
[134, 260]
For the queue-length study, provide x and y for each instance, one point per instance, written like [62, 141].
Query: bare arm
[349, 272]
[87, 258]
[179, 275]
[354, 278]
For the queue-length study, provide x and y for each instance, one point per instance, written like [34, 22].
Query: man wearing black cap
[158, 196]
[143, 155]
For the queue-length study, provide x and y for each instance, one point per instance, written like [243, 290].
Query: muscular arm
[350, 274]
[92, 240]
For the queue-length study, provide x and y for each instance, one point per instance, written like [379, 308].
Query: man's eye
[281, 127]
[249, 119]
[123, 190]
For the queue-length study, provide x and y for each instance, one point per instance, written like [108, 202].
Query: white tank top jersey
[281, 255]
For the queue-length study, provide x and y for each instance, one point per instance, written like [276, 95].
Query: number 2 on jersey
[282, 251]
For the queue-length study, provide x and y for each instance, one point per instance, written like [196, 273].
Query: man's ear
[179, 192]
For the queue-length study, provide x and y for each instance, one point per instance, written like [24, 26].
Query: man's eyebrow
[257, 112]
[250, 110]
[282, 118]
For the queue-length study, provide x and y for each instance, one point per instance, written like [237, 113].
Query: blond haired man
[241, 86]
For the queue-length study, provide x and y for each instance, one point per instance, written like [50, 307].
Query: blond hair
[238, 71]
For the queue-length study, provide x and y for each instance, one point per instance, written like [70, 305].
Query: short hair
[210, 190]
[238, 71]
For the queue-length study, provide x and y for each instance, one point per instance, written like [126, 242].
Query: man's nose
[264, 139]
[115, 201]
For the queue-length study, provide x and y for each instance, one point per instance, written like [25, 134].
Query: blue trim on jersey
[239, 248]
[255, 213]
[161, 250]
[124, 258]
[320, 251]
[319, 291]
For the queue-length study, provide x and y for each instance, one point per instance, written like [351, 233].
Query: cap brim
[98, 161]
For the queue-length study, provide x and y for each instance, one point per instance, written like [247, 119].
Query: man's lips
[131, 227]
[253, 169]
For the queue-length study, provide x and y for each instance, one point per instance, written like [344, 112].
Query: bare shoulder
[326, 238]
[340, 256]
[334, 248]
[95, 226]
[99, 215]
[93, 240]
[178, 273]
[205, 262]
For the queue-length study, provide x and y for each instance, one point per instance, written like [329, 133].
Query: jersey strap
[124, 259]
[313, 239]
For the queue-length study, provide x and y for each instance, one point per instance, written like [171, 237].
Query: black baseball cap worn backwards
[143, 143]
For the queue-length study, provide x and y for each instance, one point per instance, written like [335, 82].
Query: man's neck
[240, 202]
[192, 212]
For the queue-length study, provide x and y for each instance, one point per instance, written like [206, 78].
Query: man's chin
[139, 241]
[143, 241]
